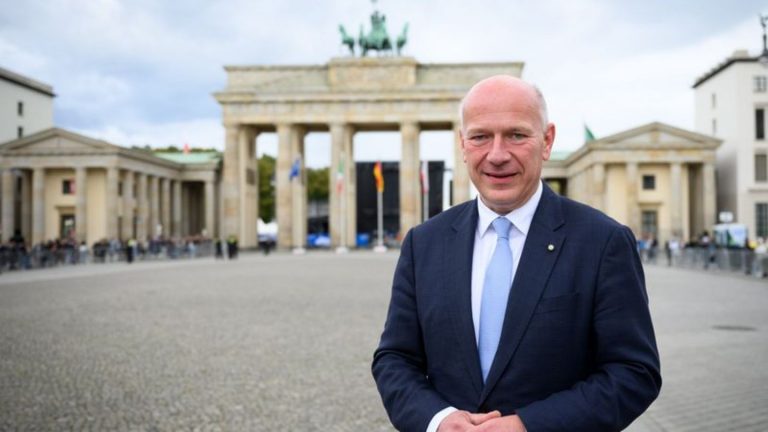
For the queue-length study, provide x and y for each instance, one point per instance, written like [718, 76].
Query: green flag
[588, 135]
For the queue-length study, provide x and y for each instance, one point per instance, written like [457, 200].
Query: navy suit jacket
[577, 349]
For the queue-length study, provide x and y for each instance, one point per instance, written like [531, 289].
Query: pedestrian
[568, 346]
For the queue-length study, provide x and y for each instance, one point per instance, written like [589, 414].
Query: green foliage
[267, 188]
[318, 183]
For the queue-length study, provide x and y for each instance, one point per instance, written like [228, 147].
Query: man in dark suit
[521, 310]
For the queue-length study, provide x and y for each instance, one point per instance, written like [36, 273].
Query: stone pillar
[177, 208]
[81, 203]
[410, 189]
[709, 198]
[26, 204]
[7, 203]
[38, 205]
[129, 205]
[110, 203]
[166, 206]
[154, 206]
[633, 210]
[298, 191]
[210, 207]
[248, 192]
[230, 184]
[141, 208]
[598, 186]
[342, 155]
[284, 203]
[460, 174]
[350, 185]
[676, 199]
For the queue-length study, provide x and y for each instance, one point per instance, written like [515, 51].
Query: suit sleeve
[399, 363]
[626, 377]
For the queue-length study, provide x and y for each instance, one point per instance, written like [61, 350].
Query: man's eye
[478, 138]
[519, 136]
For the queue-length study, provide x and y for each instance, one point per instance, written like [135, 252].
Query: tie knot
[501, 226]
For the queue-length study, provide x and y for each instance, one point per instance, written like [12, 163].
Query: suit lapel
[536, 263]
[459, 246]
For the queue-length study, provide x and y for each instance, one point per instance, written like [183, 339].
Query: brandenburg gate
[344, 96]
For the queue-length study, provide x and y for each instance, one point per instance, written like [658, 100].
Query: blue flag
[295, 168]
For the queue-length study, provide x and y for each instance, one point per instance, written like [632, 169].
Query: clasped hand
[461, 421]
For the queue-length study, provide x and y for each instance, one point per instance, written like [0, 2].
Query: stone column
[298, 192]
[676, 199]
[154, 206]
[129, 204]
[709, 198]
[7, 203]
[177, 208]
[141, 210]
[110, 202]
[460, 174]
[209, 209]
[26, 204]
[350, 186]
[230, 184]
[284, 203]
[38, 205]
[598, 186]
[341, 154]
[410, 190]
[633, 210]
[246, 144]
[81, 203]
[166, 205]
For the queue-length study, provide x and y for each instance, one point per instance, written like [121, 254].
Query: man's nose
[498, 153]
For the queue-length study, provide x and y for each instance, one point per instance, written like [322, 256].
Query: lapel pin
[551, 247]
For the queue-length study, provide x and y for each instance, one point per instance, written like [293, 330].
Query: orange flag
[377, 174]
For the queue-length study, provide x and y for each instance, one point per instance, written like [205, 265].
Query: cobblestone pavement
[284, 343]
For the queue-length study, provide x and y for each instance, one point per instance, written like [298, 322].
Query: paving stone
[284, 342]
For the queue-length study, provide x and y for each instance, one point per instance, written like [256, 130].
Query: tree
[317, 184]
[267, 188]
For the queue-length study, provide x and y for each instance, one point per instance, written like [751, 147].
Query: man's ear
[549, 140]
[462, 145]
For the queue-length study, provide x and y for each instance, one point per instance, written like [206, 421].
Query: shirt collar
[521, 217]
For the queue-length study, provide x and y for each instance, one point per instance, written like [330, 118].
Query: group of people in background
[17, 254]
[702, 251]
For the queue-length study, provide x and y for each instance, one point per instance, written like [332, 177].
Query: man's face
[504, 142]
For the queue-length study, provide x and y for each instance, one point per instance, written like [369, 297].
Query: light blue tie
[498, 281]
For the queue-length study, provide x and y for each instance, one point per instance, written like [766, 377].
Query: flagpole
[425, 190]
[342, 248]
[380, 222]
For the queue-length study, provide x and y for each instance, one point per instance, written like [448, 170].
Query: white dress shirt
[485, 244]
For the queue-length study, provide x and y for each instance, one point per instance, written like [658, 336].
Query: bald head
[497, 87]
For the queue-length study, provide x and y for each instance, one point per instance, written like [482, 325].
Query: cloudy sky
[139, 72]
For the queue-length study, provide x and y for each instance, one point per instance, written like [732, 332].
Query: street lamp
[763, 59]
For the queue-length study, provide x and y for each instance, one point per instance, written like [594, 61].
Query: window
[68, 187]
[20, 132]
[714, 126]
[650, 222]
[760, 123]
[761, 219]
[761, 167]
[20, 108]
[649, 182]
[119, 189]
[760, 84]
[714, 101]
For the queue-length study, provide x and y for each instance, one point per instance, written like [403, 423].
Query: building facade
[26, 105]
[344, 96]
[657, 179]
[59, 184]
[731, 104]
